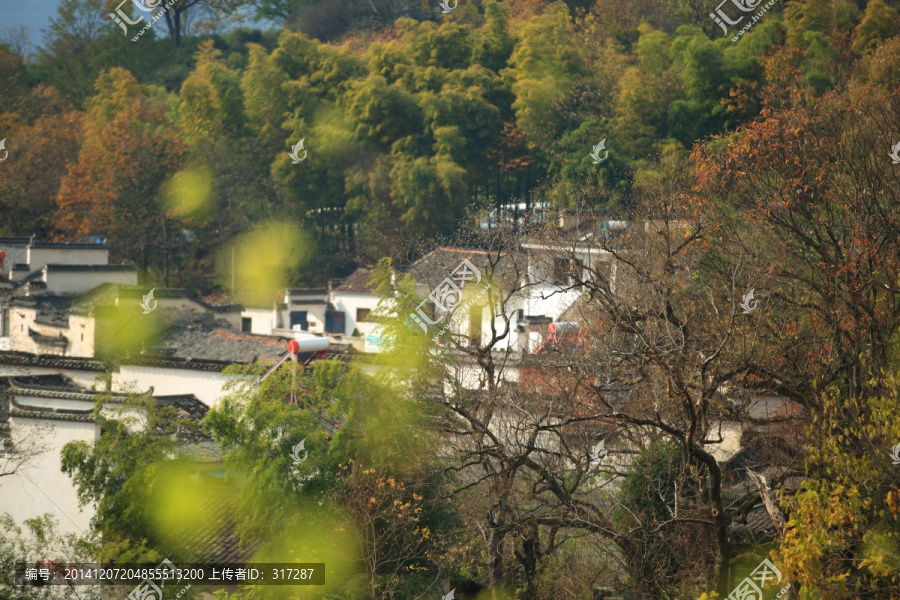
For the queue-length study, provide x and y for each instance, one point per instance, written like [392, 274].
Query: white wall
[349, 302]
[81, 336]
[20, 321]
[28, 493]
[206, 385]
[38, 257]
[77, 282]
[261, 320]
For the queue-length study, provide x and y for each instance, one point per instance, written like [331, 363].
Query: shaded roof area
[27, 359]
[215, 540]
[439, 264]
[221, 345]
[60, 387]
[54, 341]
[358, 282]
[15, 240]
[52, 310]
[71, 245]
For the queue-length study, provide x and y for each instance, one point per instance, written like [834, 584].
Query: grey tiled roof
[70, 245]
[48, 340]
[202, 450]
[26, 359]
[88, 268]
[357, 282]
[217, 541]
[434, 267]
[51, 309]
[227, 346]
[51, 413]
[170, 362]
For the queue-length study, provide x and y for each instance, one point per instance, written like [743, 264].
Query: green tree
[122, 471]
[39, 539]
[879, 23]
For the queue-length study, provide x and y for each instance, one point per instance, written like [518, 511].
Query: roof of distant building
[48, 340]
[14, 240]
[70, 245]
[26, 359]
[86, 268]
[164, 361]
[358, 282]
[226, 346]
[215, 540]
[438, 265]
[51, 310]
[60, 387]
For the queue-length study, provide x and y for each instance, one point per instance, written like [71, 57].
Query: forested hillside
[408, 122]
[736, 156]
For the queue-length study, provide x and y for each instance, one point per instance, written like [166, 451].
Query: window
[362, 315]
[246, 324]
[334, 321]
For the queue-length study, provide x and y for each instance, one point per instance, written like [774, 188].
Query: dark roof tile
[26, 359]
[437, 265]
[358, 282]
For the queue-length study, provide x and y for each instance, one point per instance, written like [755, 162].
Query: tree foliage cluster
[407, 122]
[760, 164]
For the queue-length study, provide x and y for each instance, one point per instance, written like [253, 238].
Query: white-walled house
[446, 270]
[70, 325]
[86, 373]
[41, 415]
[355, 299]
[65, 253]
[169, 376]
[27, 255]
[67, 280]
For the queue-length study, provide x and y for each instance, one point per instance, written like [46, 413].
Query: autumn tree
[130, 149]
[44, 143]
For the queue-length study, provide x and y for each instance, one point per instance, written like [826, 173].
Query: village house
[41, 414]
